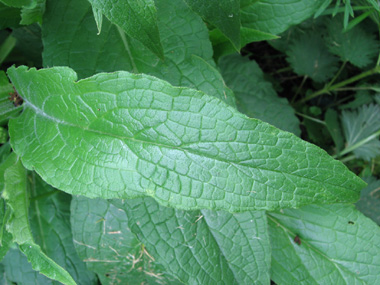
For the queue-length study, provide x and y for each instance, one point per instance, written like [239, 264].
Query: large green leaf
[121, 135]
[136, 17]
[16, 197]
[203, 247]
[70, 38]
[104, 241]
[276, 16]
[255, 96]
[50, 223]
[223, 14]
[324, 245]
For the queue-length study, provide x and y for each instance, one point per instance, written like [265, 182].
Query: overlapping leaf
[223, 14]
[255, 96]
[369, 203]
[121, 135]
[105, 242]
[323, 245]
[136, 17]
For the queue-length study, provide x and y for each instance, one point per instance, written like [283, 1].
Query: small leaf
[357, 46]
[223, 14]
[333, 239]
[360, 127]
[137, 18]
[34, 13]
[308, 56]
[121, 135]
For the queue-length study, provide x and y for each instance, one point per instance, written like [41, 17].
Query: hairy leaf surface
[121, 135]
[136, 17]
[326, 244]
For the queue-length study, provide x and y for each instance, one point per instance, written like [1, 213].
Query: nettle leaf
[34, 13]
[50, 223]
[255, 96]
[104, 241]
[188, 64]
[369, 203]
[357, 46]
[17, 201]
[325, 244]
[7, 93]
[308, 56]
[203, 247]
[137, 18]
[359, 127]
[121, 135]
[274, 16]
[224, 15]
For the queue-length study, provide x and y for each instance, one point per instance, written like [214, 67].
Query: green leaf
[9, 16]
[223, 14]
[7, 109]
[104, 241]
[369, 203]
[334, 244]
[308, 56]
[222, 46]
[276, 16]
[30, 15]
[16, 197]
[357, 46]
[115, 136]
[136, 17]
[361, 129]
[189, 64]
[50, 223]
[18, 270]
[6, 47]
[333, 126]
[18, 3]
[255, 96]
[203, 247]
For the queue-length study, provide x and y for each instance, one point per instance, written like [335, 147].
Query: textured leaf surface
[369, 203]
[255, 96]
[9, 16]
[7, 109]
[223, 14]
[203, 247]
[104, 241]
[123, 135]
[136, 17]
[50, 223]
[359, 125]
[70, 38]
[308, 56]
[274, 16]
[356, 45]
[16, 197]
[336, 244]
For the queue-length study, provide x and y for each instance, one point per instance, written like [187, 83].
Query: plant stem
[311, 118]
[328, 89]
[336, 75]
[358, 144]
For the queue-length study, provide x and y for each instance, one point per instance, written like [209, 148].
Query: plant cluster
[138, 146]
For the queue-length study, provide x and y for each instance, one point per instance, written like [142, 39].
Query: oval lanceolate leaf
[136, 17]
[121, 135]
